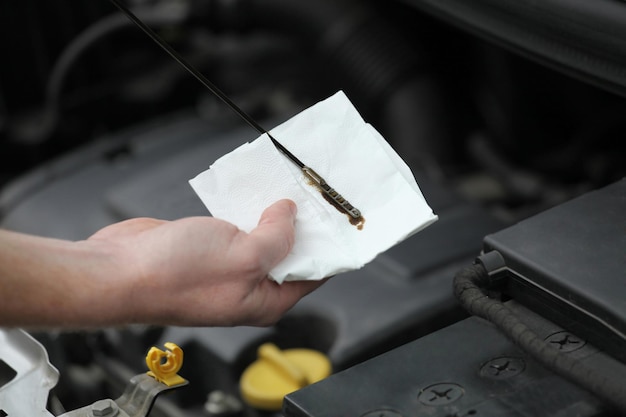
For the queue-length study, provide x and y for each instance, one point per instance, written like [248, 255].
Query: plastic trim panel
[584, 39]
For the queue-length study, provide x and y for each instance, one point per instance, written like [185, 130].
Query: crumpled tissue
[331, 138]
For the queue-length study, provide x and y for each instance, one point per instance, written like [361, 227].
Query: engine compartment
[98, 125]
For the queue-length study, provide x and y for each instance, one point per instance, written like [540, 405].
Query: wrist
[108, 285]
[52, 282]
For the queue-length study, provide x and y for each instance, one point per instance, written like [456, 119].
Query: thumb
[274, 236]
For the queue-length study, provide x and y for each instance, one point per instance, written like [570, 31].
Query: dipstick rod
[312, 175]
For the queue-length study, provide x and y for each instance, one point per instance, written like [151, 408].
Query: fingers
[274, 236]
[279, 298]
[281, 210]
[298, 289]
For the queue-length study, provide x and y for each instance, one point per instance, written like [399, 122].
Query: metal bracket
[136, 401]
[26, 389]
[26, 378]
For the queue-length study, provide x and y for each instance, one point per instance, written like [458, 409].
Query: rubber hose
[468, 289]
[71, 54]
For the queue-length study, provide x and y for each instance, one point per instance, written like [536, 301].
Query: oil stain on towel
[358, 222]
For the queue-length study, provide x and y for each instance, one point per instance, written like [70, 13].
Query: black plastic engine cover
[467, 369]
[580, 38]
[569, 264]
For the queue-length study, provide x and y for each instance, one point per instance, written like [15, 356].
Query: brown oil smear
[357, 222]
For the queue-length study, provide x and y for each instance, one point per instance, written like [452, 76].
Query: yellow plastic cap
[277, 373]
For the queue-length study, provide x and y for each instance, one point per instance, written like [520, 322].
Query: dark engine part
[572, 271]
[327, 46]
[467, 369]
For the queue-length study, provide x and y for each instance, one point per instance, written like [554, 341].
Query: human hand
[202, 271]
[198, 271]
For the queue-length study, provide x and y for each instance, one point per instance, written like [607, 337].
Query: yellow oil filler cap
[277, 373]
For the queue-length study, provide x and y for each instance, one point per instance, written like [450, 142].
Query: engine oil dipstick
[330, 192]
[332, 196]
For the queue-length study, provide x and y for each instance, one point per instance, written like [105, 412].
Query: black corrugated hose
[386, 75]
[469, 285]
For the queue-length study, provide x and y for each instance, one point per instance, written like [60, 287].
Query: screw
[440, 394]
[502, 368]
[104, 408]
[220, 403]
[382, 413]
[565, 341]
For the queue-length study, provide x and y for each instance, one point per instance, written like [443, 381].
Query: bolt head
[104, 408]
[440, 394]
[503, 367]
[565, 342]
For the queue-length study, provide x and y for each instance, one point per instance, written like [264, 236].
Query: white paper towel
[331, 138]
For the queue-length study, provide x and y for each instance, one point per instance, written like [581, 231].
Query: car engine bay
[98, 125]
